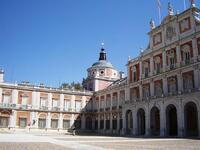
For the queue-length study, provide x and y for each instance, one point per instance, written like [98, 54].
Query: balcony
[55, 109]
[187, 62]
[171, 67]
[5, 105]
[158, 71]
[43, 108]
[101, 109]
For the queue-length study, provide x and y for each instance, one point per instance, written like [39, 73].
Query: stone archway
[155, 121]
[171, 120]
[88, 123]
[191, 119]
[129, 122]
[141, 121]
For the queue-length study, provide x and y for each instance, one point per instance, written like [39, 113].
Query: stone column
[48, 121]
[83, 121]
[118, 121]
[162, 121]
[12, 119]
[111, 101]
[83, 103]
[99, 119]
[164, 60]
[178, 55]
[49, 101]
[60, 121]
[141, 92]
[134, 122]
[151, 65]
[73, 103]
[196, 79]
[127, 94]
[198, 108]
[165, 86]
[140, 65]
[124, 122]
[111, 123]
[104, 125]
[1, 98]
[147, 121]
[38, 99]
[72, 120]
[152, 88]
[195, 49]
[61, 102]
[118, 99]
[180, 83]
[180, 119]
[34, 98]
[93, 123]
[15, 96]
[32, 118]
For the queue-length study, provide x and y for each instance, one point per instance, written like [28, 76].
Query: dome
[103, 63]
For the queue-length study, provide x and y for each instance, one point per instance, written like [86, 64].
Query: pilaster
[61, 102]
[49, 101]
[15, 96]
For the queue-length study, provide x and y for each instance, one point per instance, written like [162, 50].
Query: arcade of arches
[171, 121]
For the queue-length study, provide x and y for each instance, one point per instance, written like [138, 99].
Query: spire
[170, 9]
[102, 54]
[192, 3]
[152, 24]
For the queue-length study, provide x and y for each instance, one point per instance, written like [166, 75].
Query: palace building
[159, 97]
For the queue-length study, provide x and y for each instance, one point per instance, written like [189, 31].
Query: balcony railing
[158, 71]
[187, 62]
[55, 108]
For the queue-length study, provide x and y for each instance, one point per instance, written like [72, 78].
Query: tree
[72, 86]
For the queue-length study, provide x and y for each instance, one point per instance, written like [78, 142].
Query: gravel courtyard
[37, 141]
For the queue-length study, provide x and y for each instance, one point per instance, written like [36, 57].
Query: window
[54, 123]
[67, 104]
[146, 72]
[66, 124]
[187, 57]
[146, 92]
[24, 100]
[55, 103]
[22, 122]
[186, 53]
[78, 105]
[41, 123]
[188, 82]
[4, 122]
[172, 85]
[6, 99]
[43, 102]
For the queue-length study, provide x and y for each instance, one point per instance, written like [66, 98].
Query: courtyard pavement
[52, 141]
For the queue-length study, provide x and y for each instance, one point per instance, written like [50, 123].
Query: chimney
[121, 75]
[1, 75]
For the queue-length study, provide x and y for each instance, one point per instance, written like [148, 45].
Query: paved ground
[37, 141]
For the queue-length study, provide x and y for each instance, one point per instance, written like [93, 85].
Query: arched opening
[141, 121]
[191, 119]
[155, 121]
[42, 121]
[88, 123]
[171, 122]
[129, 122]
[4, 118]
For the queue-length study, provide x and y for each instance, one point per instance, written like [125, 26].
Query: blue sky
[55, 41]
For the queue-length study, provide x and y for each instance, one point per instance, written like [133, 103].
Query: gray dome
[103, 63]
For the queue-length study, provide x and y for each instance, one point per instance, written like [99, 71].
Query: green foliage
[72, 86]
